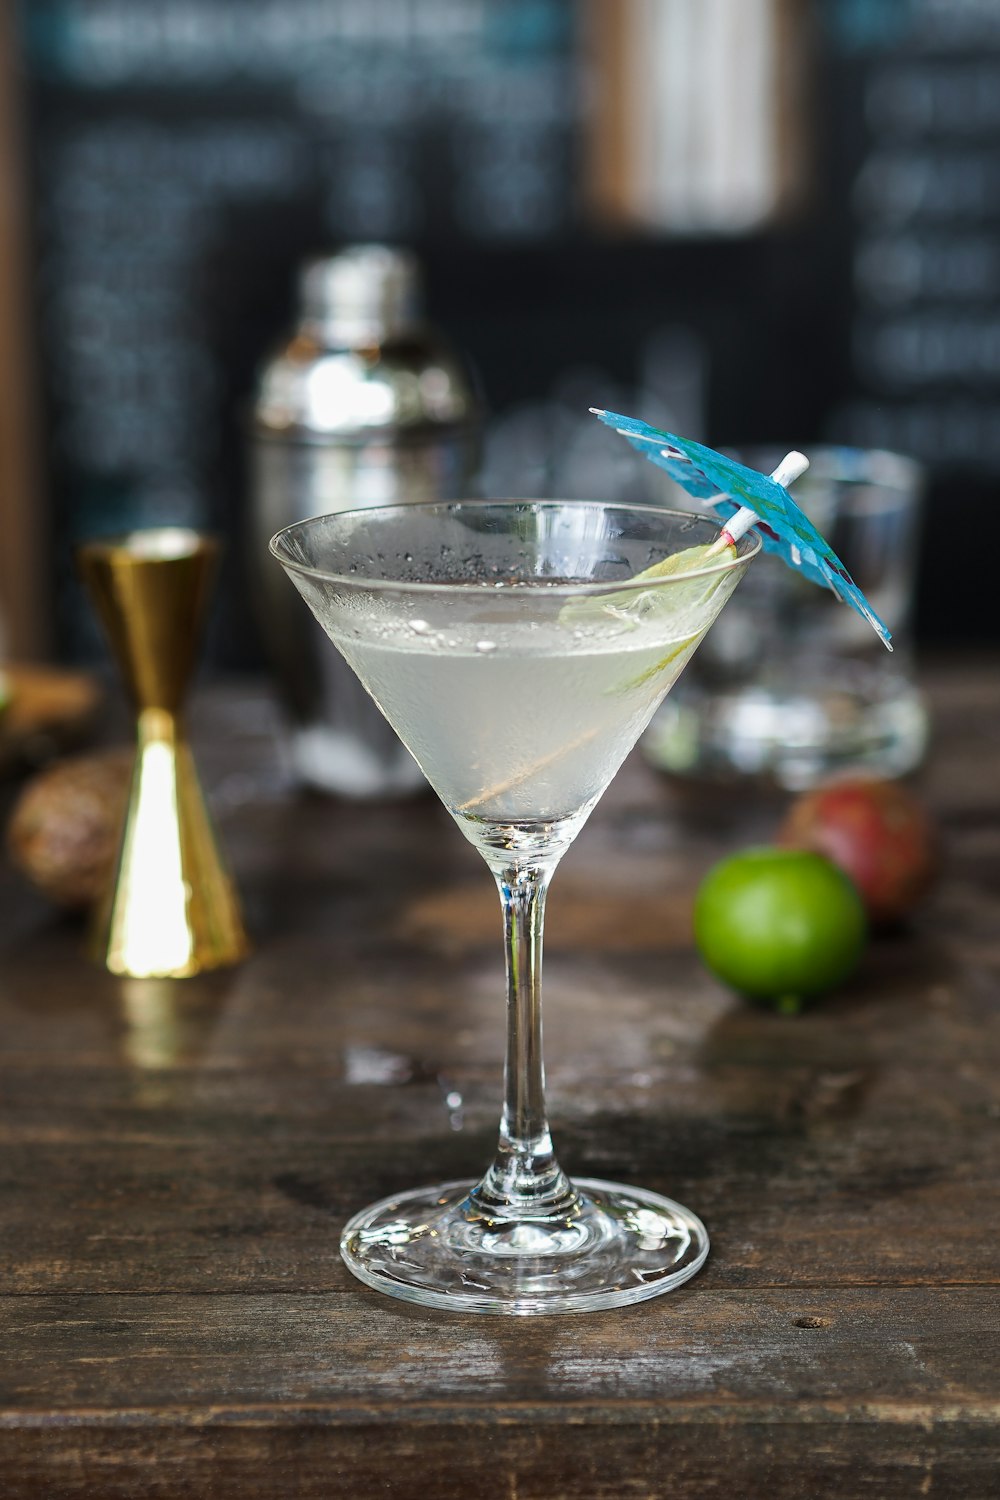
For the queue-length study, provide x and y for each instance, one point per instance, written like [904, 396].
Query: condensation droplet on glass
[419, 627]
[486, 646]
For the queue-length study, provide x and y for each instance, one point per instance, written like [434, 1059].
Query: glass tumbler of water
[791, 685]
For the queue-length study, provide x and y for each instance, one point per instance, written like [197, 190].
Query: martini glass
[518, 656]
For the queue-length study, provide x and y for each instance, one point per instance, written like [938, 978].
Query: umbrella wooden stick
[526, 772]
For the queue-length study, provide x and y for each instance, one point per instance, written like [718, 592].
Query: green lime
[779, 924]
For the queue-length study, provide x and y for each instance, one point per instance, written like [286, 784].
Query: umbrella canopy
[730, 487]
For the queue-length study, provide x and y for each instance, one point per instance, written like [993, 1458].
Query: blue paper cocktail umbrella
[747, 498]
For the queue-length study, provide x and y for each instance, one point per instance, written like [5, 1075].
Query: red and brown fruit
[877, 832]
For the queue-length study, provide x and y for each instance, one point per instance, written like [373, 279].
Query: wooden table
[177, 1160]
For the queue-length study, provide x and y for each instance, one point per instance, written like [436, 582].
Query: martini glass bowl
[519, 648]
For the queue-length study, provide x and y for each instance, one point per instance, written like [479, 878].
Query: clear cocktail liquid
[522, 720]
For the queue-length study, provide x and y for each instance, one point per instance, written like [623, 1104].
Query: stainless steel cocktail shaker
[364, 405]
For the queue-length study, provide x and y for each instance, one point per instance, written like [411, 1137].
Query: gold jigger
[171, 910]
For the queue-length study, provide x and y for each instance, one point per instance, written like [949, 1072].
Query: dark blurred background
[779, 218]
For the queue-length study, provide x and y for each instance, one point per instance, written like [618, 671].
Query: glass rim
[327, 575]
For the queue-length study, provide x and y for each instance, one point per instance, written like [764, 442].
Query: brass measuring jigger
[171, 909]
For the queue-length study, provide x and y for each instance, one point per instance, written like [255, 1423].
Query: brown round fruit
[877, 832]
[64, 831]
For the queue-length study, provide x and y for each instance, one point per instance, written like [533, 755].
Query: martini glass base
[434, 1246]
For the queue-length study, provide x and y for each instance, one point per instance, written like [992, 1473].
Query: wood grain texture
[176, 1161]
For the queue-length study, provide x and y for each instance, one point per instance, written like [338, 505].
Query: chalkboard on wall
[187, 155]
[924, 196]
[915, 105]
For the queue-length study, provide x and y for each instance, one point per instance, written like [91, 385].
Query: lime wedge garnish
[681, 607]
[637, 605]
[688, 560]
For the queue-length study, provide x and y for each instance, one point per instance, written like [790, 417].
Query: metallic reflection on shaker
[364, 405]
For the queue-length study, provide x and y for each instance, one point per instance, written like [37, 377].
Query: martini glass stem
[524, 1179]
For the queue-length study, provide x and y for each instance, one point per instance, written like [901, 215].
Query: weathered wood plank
[701, 1393]
[836, 1200]
[527, 1459]
[821, 1355]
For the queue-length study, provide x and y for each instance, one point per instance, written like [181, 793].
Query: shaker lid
[364, 292]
